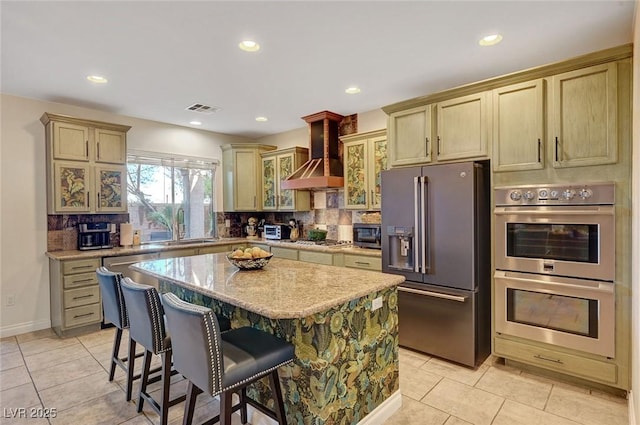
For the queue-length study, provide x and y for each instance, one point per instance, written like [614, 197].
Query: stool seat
[248, 352]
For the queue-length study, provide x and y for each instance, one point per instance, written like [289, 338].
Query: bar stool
[146, 327]
[222, 363]
[115, 311]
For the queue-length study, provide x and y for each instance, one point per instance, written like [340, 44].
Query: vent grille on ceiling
[203, 109]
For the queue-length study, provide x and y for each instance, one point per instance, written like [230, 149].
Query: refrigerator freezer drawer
[439, 323]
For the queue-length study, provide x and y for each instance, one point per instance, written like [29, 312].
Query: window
[171, 197]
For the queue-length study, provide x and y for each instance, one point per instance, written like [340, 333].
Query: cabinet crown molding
[47, 117]
[595, 58]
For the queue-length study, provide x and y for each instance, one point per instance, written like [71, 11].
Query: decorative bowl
[249, 263]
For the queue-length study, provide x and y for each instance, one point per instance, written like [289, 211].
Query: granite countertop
[159, 247]
[283, 289]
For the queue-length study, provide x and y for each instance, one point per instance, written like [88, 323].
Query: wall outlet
[11, 300]
[376, 304]
[227, 223]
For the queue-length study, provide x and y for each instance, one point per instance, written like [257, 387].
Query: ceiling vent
[203, 109]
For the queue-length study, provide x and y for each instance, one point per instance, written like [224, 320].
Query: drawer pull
[363, 263]
[83, 296]
[539, 357]
[83, 280]
[83, 315]
[88, 266]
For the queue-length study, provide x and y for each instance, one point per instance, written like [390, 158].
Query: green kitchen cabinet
[365, 157]
[86, 171]
[276, 167]
[241, 176]
[410, 136]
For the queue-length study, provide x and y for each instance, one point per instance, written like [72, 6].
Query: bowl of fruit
[249, 258]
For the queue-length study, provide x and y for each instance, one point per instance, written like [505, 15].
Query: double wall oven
[555, 265]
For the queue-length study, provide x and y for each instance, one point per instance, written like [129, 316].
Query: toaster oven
[277, 231]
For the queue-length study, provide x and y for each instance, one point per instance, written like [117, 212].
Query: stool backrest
[113, 305]
[197, 347]
[146, 315]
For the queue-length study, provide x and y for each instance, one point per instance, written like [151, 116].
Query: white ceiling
[161, 57]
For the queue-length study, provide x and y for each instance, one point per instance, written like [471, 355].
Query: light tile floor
[40, 371]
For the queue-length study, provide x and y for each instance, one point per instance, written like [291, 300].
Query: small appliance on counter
[94, 235]
[367, 235]
[277, 231]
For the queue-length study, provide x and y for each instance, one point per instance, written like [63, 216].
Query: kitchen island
[342, 322]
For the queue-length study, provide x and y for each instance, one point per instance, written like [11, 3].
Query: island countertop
[283, 289]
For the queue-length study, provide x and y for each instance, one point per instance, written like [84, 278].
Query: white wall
[367, 121]
[24, 269]
[634, 400]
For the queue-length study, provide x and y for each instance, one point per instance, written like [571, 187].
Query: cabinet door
[71, 185]
[286, 197]
[355, 172]
[269, 189]
[378, 155]
[246, 183]
[110, 146]
[409, 136]
[70, 141]
[462, 127]
[584, 116]
[111, 186]
[518, 127]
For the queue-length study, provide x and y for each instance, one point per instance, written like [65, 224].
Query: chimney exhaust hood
[324, 168]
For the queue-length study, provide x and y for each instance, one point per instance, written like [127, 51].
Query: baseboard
[25, 327]
[383, 412]
[377, 417]
[632, 410]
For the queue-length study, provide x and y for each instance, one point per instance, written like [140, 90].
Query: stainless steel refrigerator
[436, 233]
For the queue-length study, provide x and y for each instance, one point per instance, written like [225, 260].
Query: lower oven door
[577, 314]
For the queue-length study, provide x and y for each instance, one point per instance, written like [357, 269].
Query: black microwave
[367, 235]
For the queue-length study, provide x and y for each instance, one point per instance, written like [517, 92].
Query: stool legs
[130, 367]
[276, 393]
[114, 354]
[161, 407]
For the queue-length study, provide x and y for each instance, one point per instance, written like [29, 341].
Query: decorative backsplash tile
[62, 230]
[328, 213]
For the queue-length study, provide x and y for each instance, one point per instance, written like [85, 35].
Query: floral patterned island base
[346, 357]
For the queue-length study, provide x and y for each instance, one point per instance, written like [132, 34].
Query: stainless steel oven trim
[604, 292]
[603, 216]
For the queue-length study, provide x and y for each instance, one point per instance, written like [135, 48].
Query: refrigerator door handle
[424, 227]
[456, 298]
[416, 212]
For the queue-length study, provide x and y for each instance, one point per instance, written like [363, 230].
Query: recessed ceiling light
[195, 123]
[249, 46]
[490, 40]
[262, 119]
[97, 79]
[352, 90]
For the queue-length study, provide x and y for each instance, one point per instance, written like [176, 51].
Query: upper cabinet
[462, 127]
[583, 110]
[519, 126]
[410, 136]
[86, 165]
[277, 166]
[241, 177]
[365, 156]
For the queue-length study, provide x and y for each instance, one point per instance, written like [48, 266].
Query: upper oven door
[559, 240]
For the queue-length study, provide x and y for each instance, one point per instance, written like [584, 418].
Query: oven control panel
[556, 194]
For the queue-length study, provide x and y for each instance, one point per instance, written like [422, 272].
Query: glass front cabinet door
[276, 167]
[365, 156]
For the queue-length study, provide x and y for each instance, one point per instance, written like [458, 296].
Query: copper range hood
[324, 168]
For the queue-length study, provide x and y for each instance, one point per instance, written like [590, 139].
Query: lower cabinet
[289, 254]
[75, 295]
[363, 262]
[570, 364]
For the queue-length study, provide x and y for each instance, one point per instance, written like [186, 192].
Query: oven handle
[433, 294]
[609, 210]
[591, 285]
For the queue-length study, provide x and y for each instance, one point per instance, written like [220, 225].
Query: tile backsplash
[62, 230]
[327, 213]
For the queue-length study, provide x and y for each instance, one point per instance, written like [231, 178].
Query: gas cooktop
[326, 242]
